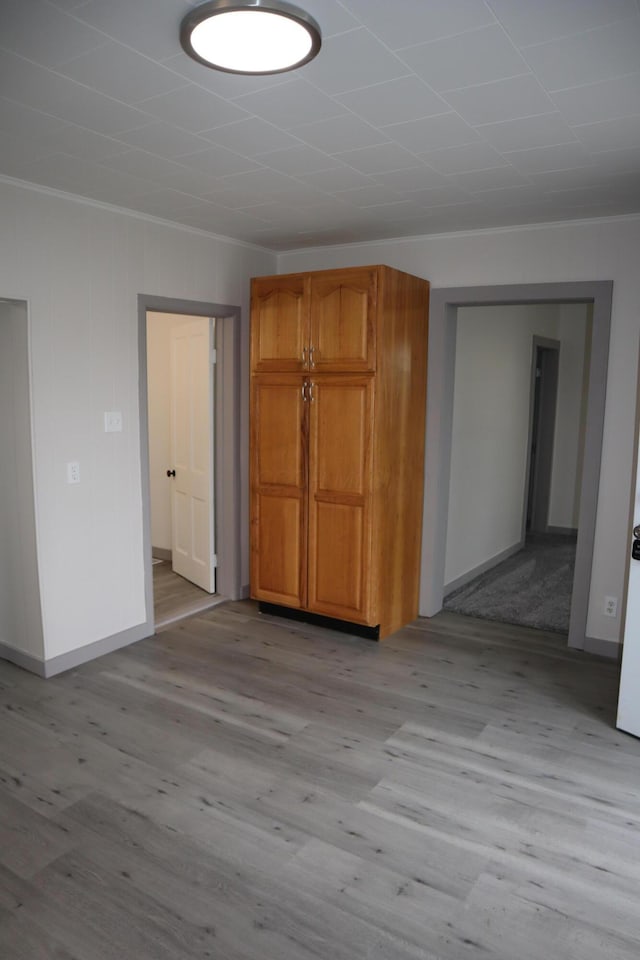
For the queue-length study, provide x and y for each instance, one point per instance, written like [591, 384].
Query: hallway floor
[530, 589]
[175, 598]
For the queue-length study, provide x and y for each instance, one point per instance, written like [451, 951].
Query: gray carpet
[531, 589]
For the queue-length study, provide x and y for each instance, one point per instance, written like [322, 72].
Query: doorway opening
[445, 305]
[21, 627]
[189, 428]
[544, 390]
[518, 421]
[181, 364]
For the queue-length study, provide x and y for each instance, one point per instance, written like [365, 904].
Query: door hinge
[214, 560]
[214, 355]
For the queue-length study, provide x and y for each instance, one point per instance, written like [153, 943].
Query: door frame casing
[35, 662]
[444, 305]
[226, 430]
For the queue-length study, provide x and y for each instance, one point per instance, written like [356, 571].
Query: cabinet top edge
[353, 267]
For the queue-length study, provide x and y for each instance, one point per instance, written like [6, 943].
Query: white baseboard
[67, 661]
[21, 659]
[603, 648]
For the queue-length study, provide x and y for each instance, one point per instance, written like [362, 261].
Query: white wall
[20, 617]
[589, 250]
[159, 327]
[81, 267]
[490, 435]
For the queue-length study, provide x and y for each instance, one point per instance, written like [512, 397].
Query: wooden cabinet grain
[340, 492]
[338, 396]
[342, 320]
[280, 323]
[279, 487]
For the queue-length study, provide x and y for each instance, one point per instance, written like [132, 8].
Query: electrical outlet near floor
[610, 607]
[73, 472]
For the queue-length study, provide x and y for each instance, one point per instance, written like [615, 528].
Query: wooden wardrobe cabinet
[338, 396]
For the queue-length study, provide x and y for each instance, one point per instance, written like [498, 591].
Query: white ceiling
[418, 116]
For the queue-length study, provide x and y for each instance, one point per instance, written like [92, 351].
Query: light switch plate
[112, 421]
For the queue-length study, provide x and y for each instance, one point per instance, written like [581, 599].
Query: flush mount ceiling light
[250, 36]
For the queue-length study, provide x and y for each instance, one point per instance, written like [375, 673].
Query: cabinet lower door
[278, 490]
[340, 474]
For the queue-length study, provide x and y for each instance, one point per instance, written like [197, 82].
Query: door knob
[171, 473]
[636, 532]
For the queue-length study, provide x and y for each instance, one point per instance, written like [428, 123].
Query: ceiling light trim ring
[279, 8]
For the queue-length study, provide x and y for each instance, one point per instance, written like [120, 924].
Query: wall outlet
[610, 607]
[73, 472]
[112, 421]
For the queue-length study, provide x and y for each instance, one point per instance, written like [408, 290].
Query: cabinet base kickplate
[344, 626]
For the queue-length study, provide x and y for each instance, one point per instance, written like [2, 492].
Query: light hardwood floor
[175, 598]
[240, 788]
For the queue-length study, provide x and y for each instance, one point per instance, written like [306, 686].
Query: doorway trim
[226, 430]
[24, 571]
[444, 305]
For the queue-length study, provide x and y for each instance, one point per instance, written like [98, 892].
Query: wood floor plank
[28, 841]
[14, 890]
[242, 787]
[403, 907]
[22, 939]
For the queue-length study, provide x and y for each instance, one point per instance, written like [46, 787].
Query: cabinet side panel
[399, 445]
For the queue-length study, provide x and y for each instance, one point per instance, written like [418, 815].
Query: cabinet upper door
[279, 324]
[340, 498]
[278, 489]
[343, 320]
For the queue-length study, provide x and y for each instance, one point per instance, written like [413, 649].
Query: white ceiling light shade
[250, 36]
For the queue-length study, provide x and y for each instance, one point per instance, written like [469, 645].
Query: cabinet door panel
[343, 310]
[277, 564]
[339, 574]
[278, 490]
[279, 324]
[340, 468]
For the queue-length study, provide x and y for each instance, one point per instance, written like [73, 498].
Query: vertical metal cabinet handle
[311, 396]
[304, 356]
[304, 392]
[312, 350]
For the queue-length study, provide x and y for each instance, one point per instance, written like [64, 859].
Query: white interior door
[629, 697]
[192, 505]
